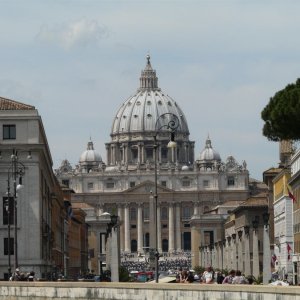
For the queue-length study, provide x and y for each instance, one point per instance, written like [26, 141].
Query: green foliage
[282, 114]
[123, 274]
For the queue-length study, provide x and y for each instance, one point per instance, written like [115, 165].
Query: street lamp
[15, 171]
[169, 122]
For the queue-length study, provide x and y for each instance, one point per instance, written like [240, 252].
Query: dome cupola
[90, 159]
[209, 158]
[143, 116]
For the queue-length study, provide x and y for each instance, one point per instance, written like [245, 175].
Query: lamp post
[15, 171]
[168, 122]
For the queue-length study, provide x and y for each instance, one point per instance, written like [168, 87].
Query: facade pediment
[147, 186]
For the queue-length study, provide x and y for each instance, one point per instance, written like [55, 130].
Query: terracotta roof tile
[7, 104]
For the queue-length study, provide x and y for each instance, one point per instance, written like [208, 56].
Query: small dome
[209, 154]
[90, 155]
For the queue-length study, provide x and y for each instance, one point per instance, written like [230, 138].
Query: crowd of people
[209, 276]
[166, 263]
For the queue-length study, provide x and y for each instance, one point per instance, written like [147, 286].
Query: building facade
[186, 185]
[26, 226]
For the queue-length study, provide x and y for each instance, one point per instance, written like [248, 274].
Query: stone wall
[136, 291]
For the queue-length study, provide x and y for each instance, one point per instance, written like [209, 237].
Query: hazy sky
[77, 61]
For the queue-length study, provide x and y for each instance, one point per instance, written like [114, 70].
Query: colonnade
[122, 153]
[235, 252]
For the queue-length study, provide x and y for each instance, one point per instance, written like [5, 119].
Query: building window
[66, 182]
[164, 153]
[186, 212]
[132, 184]
[132, 213]
[11, 246]
[8, 206]
[134, 154]
[205, 183]
[208, 237]
[163, 183]
[186, 225]
[133, 226]
[230, 181]
[165, 226]
[9, 132]
[90, 185]
[186, 183]
[164, 213]
[149, 153]
[146, 213]
[110, 185]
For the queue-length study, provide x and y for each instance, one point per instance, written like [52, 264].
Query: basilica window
[90, 185]
[186, 212]
[132, 214]
[230, 181]
[164, 154]
[149, 153]
[132, 184]
[186, 182]
[164, 213]
[66, 182]
[205, 183]
[163, 183]
[110, 185]
[146, 212]
[134, 154]
[208, 237]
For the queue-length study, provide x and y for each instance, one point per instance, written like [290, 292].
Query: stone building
[25, 162]
[187, 184]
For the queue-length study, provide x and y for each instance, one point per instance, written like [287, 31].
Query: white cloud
[82, 33]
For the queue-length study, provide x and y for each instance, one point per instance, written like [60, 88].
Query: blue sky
[77, 61]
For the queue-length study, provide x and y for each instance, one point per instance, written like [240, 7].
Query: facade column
[178, 226]
[159, 247]
[221, 249]
[126, 229]
[247, 251]
[120, 214]
[139, 153]
[234, 252]
[240, 251]
[143, 153]
[216, 255]
[171, 228]
[266, 255]
[140, 228]
[255, 259]
[228, 251]
[108, 154]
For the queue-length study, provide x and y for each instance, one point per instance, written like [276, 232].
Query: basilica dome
[208, 154]
[90, 157]
[141, 112]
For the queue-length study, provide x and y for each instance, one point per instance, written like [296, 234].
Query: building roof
[257, 201]
[8, 104]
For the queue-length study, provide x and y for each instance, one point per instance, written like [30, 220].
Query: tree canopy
[282, 114]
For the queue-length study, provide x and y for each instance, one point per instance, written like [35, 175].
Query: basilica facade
[137, 154]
